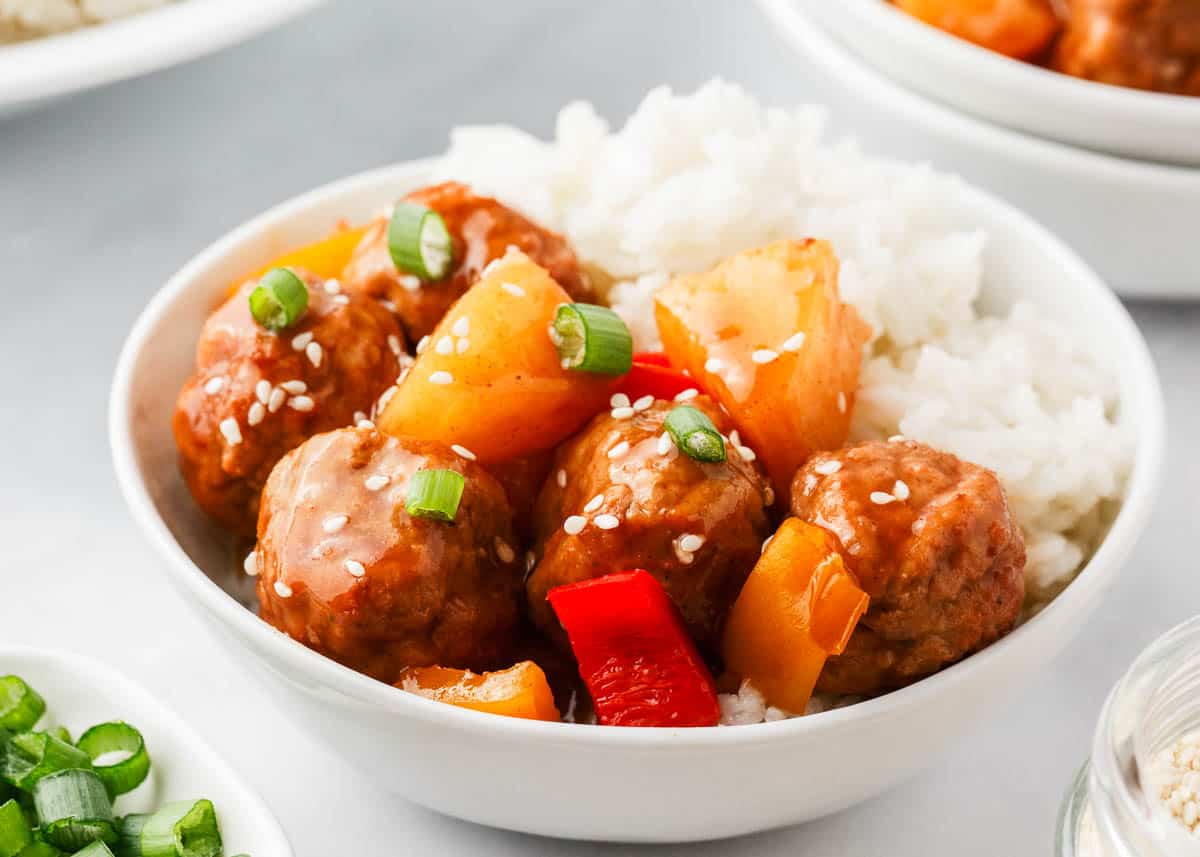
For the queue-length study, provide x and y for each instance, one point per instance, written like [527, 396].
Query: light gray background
[103, 197]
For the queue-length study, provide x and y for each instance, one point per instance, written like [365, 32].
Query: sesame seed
[364, 424]
[794, 342]
[607, 522]
[687, 395]
[335, 523]
[504, 551]
[250, 563]
[232, 431]
[764, 356]
[561, 478]
[295, 387]
[301, 340]
[282, 589]
[462, 326]
[374, 483]
[619, 400]
[332, 287]
[341, 300]
[643, 403]
[215, 385]
[314, 353]
[714, 365]
[441, 377]
[301, 403]
[463, 345]
[410, 283]
[881, 498]
[387, 305]
[683, 556]
[735, 437]
[463, 451]
[513, 289]
[278, 397]
[622, 413]
[828, 468]
[574, 525]
[896, 438]
[900, 490]
[359, 416]
[262, 391]
[691, 542]
[354, 567]
[386, 397]
[841, 402]
[394, 344]
[256, 413]
[594, 504]
[445, 345]
[422, 344]
[619, 450]
[746, 453]
[664, 443]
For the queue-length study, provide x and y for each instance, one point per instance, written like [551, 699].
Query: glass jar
[1112, 808]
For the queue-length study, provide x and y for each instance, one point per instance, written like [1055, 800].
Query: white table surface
[102, 197]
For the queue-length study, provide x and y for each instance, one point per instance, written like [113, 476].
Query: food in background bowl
[768, 364]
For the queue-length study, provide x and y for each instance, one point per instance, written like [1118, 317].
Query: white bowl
[592, 782]
[81, 692]
[1146, 125]
[1134, 221]
[41, 69]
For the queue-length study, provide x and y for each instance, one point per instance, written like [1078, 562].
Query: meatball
[344, 569]
[932, 542]
[522, 479]
[256, 394]
[483, 230]
[621, 497]
[1146, 44]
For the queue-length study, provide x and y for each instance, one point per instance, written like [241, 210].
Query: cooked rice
[692, 179]
[30, 19]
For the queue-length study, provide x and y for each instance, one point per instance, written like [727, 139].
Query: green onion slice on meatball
[695, 434]
[279, 300]
[419, 241]
[592, 338]
[435, 494]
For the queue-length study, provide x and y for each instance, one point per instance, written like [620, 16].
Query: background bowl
[1133, 221]
[1146, 125]
[41, 69]
[589, 782]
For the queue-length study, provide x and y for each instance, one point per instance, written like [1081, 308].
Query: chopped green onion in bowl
[592, 338]
[419, 242]
[435, 494]
[695, 434]
[279, 300]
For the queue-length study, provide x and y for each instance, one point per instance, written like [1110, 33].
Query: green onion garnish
[695, 434]
[73, 809]
[117, 737]
[435, 494]
[279, 299]
[592, 338]
[30, 756]
[20, 705]
[96, 849]
[15, 834]
[183, 829]
[419, 241]
[62, 734]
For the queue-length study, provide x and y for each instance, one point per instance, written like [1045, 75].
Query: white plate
[1135, 222]
[80, 692]
[598, 782]
[45, 68]
[1130, 122]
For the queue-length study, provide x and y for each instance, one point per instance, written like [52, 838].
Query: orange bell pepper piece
[519, 691]
[799, 606]
[326, 258]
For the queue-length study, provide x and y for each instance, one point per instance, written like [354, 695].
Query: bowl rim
[1097, 573]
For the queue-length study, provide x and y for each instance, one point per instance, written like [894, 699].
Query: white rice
[692, 179]
[29, 19]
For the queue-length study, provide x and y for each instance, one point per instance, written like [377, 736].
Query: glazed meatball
[256, 394]
[932, 542]
[344, 569]
[620, 496]
[482, 230]
[1147, 44]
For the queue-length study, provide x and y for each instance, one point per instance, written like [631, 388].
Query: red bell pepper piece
[634, 653]
[655, 379]
[652, 358]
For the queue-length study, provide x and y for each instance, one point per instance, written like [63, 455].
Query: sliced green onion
[183, 829]
[126, 774]
[695, 434]
[62, 734]
[592, 338]
[73, 809]
[20, 705]
[435, 494]
[419, 241]
[279, 299]
[15, 834]
[30, 756]
[96, 849]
